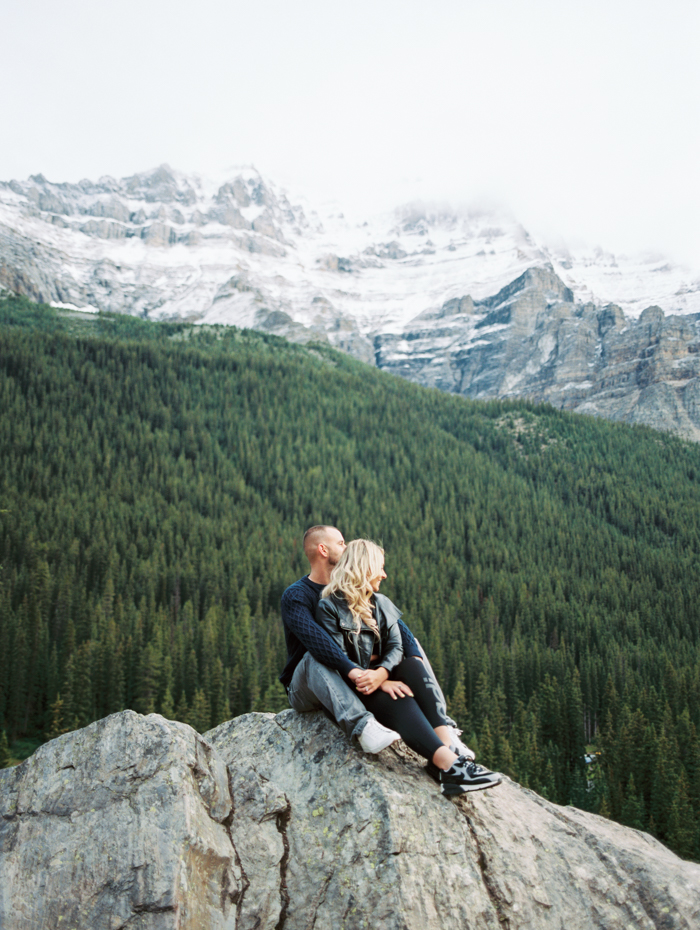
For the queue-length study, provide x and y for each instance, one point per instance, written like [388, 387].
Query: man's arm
[299, 620]
[410, 646]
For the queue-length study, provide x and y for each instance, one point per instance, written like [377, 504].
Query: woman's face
[375, 582]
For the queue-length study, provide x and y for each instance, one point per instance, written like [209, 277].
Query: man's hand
[397, 689]
[369, 679]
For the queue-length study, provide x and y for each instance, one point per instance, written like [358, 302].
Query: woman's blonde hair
[360, 563]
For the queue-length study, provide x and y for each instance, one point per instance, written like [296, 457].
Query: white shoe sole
[382, 744]
[455, 790]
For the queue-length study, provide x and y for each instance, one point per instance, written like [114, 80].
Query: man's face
[335, 546]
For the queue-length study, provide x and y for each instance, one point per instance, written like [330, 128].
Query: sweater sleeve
[298, 618]
[410, 646]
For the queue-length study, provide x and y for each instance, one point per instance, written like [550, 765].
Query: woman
[395, 689]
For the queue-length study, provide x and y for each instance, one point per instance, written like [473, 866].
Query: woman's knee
[410, 671]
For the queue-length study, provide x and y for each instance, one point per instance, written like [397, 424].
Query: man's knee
[312, 666]
[322, 679]
[328, 685]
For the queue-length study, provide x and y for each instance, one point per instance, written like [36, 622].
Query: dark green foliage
[155, 484]
[4, 751]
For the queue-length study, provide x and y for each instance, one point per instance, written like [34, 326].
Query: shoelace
[473, 769]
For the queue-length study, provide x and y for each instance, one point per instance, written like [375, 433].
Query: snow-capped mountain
[463, 300]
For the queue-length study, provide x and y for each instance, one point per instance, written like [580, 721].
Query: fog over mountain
[465, 300]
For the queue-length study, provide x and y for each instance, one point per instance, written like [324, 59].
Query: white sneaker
[375, 737]
[460, 748]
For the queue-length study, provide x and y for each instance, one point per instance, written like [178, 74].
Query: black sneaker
[466, 776]
[434, 772]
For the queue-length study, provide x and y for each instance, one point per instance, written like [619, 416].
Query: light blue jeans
[314, 686]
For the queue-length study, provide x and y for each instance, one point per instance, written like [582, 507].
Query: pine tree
[485, 744]
[632, 814]
[167, 708]
[4, 751]
[681, 822]
[199, 717]
[274, 700]
[57, 726]
[148, 679]
[482, 699]
[548, 787]
[83, 698]
[182, 710]
[457, 704]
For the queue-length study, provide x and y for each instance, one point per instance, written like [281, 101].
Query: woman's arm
[328, 618]
[388, 619]
[392, 648]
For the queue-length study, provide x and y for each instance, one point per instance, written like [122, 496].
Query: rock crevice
[282, 820]
[491, 887]
[236, 893]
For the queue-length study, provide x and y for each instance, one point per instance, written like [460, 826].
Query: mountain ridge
[422, 291]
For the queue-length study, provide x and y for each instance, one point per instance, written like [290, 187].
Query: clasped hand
[368, 680]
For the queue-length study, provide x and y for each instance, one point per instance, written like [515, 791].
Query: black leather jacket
[334, 616]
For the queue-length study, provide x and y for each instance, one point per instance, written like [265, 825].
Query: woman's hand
[397, 689]
[370, 679]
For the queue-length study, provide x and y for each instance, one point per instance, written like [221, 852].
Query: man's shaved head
[313, 536]
[323, 544]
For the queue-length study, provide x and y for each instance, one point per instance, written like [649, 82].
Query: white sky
[583, 117]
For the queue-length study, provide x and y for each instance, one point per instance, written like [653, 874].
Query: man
[316, 668]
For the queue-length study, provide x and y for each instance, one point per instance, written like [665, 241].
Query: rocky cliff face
[533, 340]
[278, 822]
[464, 301]
[122, 824]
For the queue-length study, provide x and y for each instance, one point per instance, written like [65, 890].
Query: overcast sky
[584, 118]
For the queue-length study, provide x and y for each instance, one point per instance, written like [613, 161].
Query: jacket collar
[388, 608]
[384, 606]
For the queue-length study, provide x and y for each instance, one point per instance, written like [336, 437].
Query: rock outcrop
[136, 822]
[122, 824]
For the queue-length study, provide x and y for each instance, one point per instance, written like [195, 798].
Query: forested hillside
[155, 483]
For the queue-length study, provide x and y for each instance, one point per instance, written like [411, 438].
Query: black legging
[414, 718]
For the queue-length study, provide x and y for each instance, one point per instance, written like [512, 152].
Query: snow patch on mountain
[167, 245]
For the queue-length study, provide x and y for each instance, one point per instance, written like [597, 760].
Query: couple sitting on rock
[350, 653]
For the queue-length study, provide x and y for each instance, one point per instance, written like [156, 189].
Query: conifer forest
[155, 484]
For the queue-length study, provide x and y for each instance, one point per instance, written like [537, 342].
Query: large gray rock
[328, 838]
[122, 824]
[133, 822]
